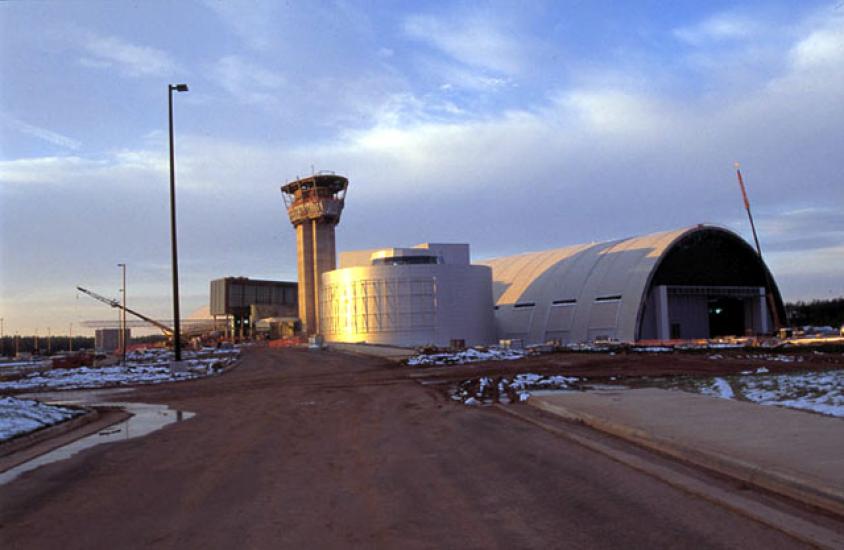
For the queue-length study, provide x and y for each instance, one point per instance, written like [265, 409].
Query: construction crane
[115, 304]
[769, 285]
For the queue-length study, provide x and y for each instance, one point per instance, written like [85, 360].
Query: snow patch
[471, 355]
[505, 390]
[722, 389]
[821, 392]
[142, 367]
[20, 416]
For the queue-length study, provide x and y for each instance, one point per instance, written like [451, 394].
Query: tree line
[52, 344]
[58, 344]
[817, 312]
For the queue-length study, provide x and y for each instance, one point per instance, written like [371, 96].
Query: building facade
[695, 282]
[429, 294]
[244, 301]
[107, 340]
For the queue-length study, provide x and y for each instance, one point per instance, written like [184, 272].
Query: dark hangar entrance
[709, 284]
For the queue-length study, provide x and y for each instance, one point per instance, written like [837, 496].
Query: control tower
[314, 205]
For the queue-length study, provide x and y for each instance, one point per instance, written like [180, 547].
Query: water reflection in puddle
[146, 418]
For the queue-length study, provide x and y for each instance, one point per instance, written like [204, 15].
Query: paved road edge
[799, 489]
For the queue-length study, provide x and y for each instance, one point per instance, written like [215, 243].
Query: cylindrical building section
[314, 205]
[429, 295]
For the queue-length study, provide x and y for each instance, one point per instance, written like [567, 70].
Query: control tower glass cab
[314, 205]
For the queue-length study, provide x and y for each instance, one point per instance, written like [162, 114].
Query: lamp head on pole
[179, 87]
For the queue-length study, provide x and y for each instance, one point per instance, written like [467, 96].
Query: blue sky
[511, 126]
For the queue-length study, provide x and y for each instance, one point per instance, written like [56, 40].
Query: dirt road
[321, 450]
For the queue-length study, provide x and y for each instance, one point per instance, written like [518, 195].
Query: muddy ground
[630, 367]
[325, 450]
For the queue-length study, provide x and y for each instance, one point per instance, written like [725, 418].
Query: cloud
[45, 170]
[41, 133]
[253, 24]
[119, 168]
[823, 47]
[593, 160]
[726, 26]
[247, 81]
[474, 41]
[129, 59]
[462, 78]
[803, 229]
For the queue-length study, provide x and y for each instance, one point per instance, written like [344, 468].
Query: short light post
[122, 338]
[177, 337]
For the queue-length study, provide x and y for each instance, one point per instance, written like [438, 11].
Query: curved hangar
[696, 282]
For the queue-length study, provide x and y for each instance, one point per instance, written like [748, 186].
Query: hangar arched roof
[599, 289]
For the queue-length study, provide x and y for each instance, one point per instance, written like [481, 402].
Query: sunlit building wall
[429, 294]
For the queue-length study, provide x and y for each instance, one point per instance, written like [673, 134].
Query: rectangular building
[107, 340]
[245, 301]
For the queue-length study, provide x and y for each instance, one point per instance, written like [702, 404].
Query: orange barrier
[290, 342]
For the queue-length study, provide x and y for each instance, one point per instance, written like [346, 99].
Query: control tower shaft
[314, 205]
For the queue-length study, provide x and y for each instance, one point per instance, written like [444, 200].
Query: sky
[513, 126]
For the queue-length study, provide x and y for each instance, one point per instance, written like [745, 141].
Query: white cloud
[474, 41]
[247, 81]
[611, 111]
[45, 170]
[822, 47]
[121, 168]
[41, 133]
[252, 23]
[130, 59]
[602, 159]
[459, 77]
[718, 28]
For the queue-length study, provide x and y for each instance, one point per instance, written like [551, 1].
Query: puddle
[606, 387]
[555, 391]
[146, 419]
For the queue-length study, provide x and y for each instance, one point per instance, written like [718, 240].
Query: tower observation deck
[314, 205]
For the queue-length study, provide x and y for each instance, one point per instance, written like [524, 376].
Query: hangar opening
[710, 283]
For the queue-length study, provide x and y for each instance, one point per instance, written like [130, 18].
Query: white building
[429, 294]
[695, 282]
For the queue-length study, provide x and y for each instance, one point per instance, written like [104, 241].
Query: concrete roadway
[323, 450]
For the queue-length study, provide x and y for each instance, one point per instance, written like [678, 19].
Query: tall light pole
[3, 339]
[123, 316]
[177, 337]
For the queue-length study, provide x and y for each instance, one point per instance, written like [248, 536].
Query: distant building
[107, 340]
[429, 294]
[244, 301]
[695, 282]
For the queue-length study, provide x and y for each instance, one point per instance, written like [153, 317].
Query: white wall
[408, 305]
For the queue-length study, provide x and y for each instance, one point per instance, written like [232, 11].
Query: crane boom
[769, 285]
[115, 304]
